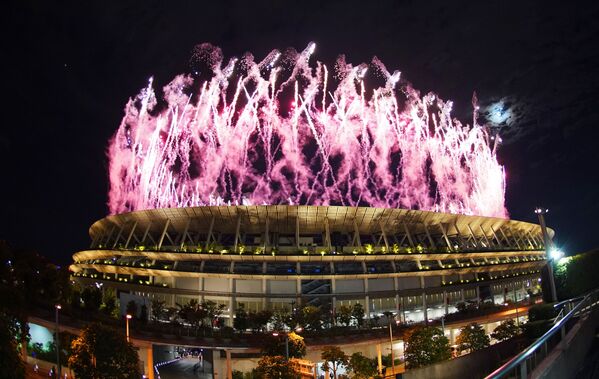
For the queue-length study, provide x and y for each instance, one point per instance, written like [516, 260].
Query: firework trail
[277, 132]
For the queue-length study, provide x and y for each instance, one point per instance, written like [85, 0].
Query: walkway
[186, 368]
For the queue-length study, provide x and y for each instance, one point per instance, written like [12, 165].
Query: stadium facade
[417, 264]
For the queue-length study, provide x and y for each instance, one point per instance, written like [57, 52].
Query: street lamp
[57, 307]
[541, 212]
[299, 329]
[128, 317]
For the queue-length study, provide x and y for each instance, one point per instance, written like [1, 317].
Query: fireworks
[277, 132]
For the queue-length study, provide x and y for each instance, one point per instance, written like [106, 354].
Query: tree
[506, 330]
[92, 298]
[390, 316]
[132, 308]
[282, 318]
[109, 304]
[358, 314]
[259, 320]
[333, 358]
[311, 317]
[101, 352]
[213, 311]
[473, 337]
[344, 315]
[241, 320]
[11, 364]
[362, 367]
[425, 346]
[143, 314]
[276, 345]
[275, 367]
[158, 310]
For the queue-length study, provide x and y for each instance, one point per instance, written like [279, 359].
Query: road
[186, 368]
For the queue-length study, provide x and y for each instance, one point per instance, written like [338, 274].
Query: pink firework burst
[276, 132]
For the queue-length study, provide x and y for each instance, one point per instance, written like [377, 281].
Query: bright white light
[556, 254]
[498, 114]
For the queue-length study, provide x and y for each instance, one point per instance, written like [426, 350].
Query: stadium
[416, 264]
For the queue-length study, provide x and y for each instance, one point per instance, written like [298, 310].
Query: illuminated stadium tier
[418, 263]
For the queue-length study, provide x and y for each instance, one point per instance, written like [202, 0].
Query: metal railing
[523, 364]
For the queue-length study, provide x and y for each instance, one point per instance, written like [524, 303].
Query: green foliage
[541, 312]
[473, 337]
[158, 310]
[344, 315]
[333, 358]
[109, 304]
[258, 320]
[10, 360]
[103, 353]
[236, 374]
[573, 276]
[92, 298]
[276, 345]
[200, 314]
[241, 320]
[506, 330]
[132, 308]
[311, 317]
[535, 329]
[48, 352]
[425, 346]
[143, 314]
[26, 280]
[282, 318]
[389, 316]
[358, 314]
[362, 367]
[275, 367]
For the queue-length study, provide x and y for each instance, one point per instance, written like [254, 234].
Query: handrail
[520, 359]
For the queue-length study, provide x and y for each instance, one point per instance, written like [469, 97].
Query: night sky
[72, 67]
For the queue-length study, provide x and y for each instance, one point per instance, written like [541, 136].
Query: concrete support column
[232, 302]
[264, 294]
[379, 358]
[425, 312]
[334, 300]
[201, 289]
[403, 309]
[366, 299]
[229, 368]
[150, 362]
[477, 294]
[424, 308]
[445, 302]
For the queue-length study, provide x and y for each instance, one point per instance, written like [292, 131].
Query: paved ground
[186, 368]
[590, 367]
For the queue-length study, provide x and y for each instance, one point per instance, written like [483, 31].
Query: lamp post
[128, 317]
[276, 334]
[541, 212]
[57, 307]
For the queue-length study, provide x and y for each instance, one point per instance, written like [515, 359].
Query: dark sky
[72, 67]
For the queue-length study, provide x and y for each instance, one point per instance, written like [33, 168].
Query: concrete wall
[474, 365]
[565, 361]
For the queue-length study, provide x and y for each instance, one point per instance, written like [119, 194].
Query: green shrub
[535, 329]
[541, 312]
